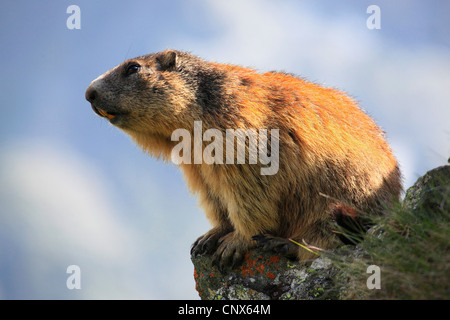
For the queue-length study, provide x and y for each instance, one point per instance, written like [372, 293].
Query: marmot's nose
[91, 94]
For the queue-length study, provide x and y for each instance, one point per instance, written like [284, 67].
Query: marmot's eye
[132, 68]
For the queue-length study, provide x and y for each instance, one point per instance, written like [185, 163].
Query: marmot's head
[146, 95]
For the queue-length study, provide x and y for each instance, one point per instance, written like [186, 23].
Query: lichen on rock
[264, 276]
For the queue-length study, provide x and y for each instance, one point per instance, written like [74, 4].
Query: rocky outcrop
[263, 276]
[431, 192]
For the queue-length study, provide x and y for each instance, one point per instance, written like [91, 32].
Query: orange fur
[328, 145]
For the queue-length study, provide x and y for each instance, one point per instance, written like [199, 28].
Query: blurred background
[76, 191]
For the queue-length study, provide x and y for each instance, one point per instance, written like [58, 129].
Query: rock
[430, 193]
[263, 276]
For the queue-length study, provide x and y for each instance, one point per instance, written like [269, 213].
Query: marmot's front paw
[208, 243]
[231, 251]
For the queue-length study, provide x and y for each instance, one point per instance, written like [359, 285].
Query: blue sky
[75, 190]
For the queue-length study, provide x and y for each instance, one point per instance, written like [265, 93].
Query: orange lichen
[274, 259]
[197, 285]
[260, 268]
[258, 265]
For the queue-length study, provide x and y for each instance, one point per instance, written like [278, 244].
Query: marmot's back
[332, 160]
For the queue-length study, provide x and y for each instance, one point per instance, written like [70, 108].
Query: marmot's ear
[166, 60]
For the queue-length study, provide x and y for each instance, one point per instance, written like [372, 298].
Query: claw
[230, 252]
[207, 243]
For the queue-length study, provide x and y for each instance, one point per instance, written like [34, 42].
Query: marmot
[333, 160]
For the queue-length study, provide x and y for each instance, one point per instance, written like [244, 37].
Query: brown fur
[327, 146]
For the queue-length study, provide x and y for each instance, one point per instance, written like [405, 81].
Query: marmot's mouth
[102, 113]
[106, 114]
